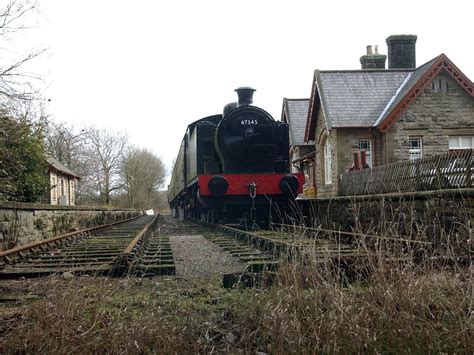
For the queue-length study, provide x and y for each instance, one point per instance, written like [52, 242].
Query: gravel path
[196, 257]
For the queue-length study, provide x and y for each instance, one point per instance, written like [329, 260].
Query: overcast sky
[149, 67]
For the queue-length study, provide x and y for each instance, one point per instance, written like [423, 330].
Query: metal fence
[446, 171]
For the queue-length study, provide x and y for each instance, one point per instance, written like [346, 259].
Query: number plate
[248, 122]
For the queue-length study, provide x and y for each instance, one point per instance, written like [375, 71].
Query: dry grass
[393, 311]
[92, 316]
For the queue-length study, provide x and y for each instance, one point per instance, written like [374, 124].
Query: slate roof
[373, 98]
[409, 82]
[365, 98]
[357, 98]
[296, 113]
[60, 167]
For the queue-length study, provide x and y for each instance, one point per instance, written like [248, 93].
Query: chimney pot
[373, 61]
[376, 49]
[401, 51]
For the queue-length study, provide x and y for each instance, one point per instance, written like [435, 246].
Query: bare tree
[143, 174]
[22, 162]
[106, 155]
[66, 144]
[15, 84]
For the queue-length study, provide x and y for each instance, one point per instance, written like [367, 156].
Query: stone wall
[22, 223]
[429, 213]
[322, 133]
[348, 144]
[443, 109]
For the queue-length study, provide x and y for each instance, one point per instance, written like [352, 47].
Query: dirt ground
[196, 257]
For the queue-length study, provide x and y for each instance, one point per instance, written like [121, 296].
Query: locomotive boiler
[234, 167]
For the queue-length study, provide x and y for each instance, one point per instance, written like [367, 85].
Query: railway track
[263, 250]
[137, 247]
[119, 248]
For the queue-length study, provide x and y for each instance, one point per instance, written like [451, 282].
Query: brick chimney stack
[373, 61]
[401, 51]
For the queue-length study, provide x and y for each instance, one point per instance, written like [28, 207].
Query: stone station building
[395, 114]
[295, 112]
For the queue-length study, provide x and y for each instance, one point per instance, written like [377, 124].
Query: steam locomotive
[234, 167]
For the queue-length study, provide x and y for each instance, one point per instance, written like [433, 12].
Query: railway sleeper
[154, 270]
[70, 261]
[60, 266]
[249, 279]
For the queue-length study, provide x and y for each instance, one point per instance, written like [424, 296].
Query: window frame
[54, 187]
[368, 153]
[459, 142]
[415, 153]
[327, 162]
[71, 192]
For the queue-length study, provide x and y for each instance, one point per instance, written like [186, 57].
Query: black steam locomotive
[234, 167]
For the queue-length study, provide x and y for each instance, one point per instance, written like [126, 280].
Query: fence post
[469, 169]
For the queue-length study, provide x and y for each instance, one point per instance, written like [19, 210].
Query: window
[71, 194]
[461, 142]
[53, 189]
[309, 173]
[327, 162]
[440, 85]
[366, 145]
[415, 145]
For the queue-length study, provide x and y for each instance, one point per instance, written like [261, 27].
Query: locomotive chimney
[245, 95]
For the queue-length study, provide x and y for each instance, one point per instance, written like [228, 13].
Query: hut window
[53, 189]
[71, 193]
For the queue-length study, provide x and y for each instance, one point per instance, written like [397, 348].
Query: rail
[354, 234]
[278, 247]
[136, 245]
[8, 256]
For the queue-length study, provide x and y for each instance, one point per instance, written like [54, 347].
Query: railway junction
[141, 247]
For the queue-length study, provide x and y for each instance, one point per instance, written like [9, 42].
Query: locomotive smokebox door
[246, 136]
[246, 141]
